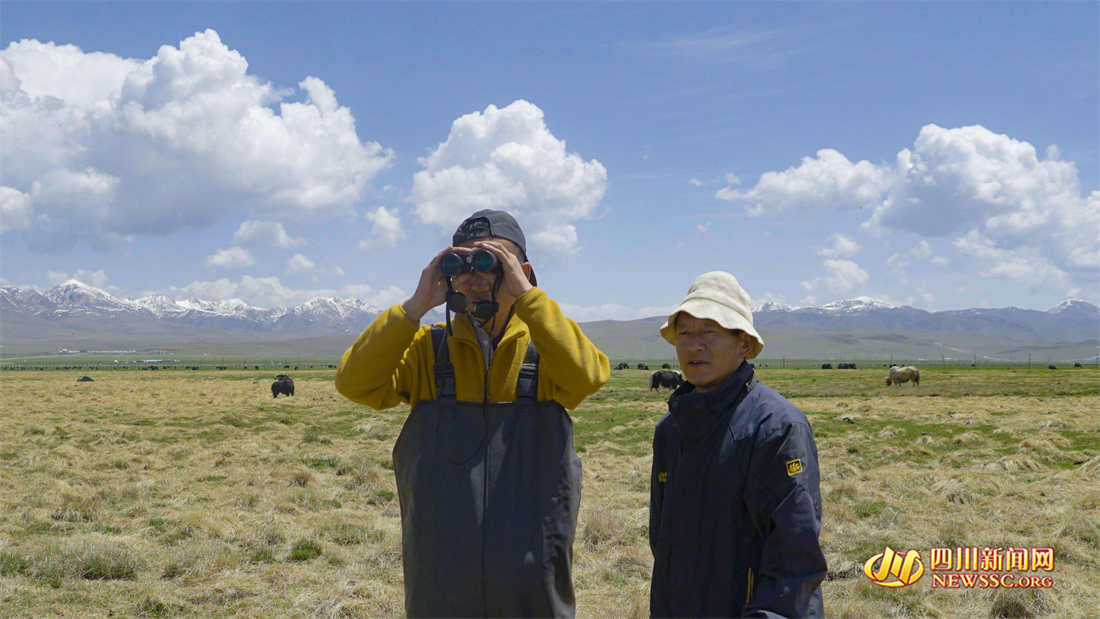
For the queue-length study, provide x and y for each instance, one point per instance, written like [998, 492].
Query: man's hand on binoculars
[515, 277]
[431, 291]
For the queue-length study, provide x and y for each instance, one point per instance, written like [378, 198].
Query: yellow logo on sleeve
[794, 467]
[662, 477]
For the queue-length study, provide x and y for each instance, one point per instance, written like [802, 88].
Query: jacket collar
[696, 415]
[463, 330]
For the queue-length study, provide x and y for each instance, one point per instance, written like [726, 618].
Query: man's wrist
[413, 310]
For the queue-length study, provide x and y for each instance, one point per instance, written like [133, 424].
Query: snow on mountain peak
[1074, 305]
[75, 294]
[858, 304]
[774, 306]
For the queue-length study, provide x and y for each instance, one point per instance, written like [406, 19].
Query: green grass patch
[330, 462]
[14, 563]
[304, 550]
[346, 534]
[153, 607]
[262, 554]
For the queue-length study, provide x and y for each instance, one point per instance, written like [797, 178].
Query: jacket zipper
[748, 596]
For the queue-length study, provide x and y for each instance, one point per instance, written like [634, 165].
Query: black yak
[283, 384]
[665, 378]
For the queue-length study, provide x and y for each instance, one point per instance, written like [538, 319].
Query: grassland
[177, 493]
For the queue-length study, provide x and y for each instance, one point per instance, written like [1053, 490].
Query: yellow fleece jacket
[392, 361]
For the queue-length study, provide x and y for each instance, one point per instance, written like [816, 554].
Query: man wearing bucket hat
[487, 478]
[735, 507]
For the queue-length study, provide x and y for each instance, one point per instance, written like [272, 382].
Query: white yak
[903, 375]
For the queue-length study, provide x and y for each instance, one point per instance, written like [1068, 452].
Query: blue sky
[939, 155]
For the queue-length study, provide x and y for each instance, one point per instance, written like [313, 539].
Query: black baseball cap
[488, 222]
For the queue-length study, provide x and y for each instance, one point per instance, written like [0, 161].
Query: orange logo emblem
[894, 569]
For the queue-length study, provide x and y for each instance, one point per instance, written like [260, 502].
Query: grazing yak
[84, 379]
[642, 366]
[903, 375]
[665, 378]
[623, 366]
[283, 384]
[667, 366]
[826, 366]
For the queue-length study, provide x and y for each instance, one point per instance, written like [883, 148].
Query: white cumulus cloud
[829, 181]
[272, 232]
[270, 292]
[299, 264]
[385, 228]
[255, 291]
[840, 276]
[1026, 266]
[378, 298]
[219, 290]
[231, 258]
[507, 159]
[842, 247]
[111, 147]
[16, 209]
[999, 202]
[96, 279]
[968, 184]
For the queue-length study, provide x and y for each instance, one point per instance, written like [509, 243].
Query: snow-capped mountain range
[74, 299]
[1071, 320]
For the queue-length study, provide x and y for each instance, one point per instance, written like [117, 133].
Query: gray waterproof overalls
[489, 497]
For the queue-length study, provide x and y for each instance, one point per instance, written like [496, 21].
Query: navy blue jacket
[735, 508]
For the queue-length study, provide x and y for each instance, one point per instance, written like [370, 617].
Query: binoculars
[482, 261]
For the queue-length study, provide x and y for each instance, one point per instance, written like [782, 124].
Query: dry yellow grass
[197, 494]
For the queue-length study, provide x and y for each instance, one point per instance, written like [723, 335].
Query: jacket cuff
[529, 301]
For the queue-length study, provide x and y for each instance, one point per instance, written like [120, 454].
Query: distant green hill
[639, 339]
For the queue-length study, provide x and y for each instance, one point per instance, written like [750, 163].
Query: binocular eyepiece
[482, 261]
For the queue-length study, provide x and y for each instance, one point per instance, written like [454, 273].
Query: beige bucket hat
[717, 296]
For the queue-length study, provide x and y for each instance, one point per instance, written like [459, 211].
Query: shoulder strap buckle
[528, 383]
[444, 369]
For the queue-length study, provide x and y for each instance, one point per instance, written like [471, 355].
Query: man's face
[479, 286]
[708, 352]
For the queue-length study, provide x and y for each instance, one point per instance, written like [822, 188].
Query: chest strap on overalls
[444, 369]
[526, 386]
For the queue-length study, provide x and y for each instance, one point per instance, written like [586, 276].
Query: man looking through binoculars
[486, 277]
[488, 481]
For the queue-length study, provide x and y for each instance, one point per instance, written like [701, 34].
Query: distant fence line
[1035, 362]
[139, 366]
[61, 362]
